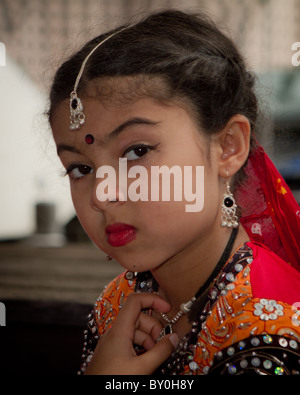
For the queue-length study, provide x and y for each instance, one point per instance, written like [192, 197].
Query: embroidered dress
[248, 322]
[244, 326]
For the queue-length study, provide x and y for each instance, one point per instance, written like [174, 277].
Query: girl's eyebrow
[134, 121]
[64, 147]
[127, 124]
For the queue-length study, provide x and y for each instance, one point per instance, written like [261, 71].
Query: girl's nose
[106, 192]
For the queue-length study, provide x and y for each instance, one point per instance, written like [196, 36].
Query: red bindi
[89, 139]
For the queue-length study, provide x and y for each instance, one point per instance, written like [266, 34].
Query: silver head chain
[77, 116]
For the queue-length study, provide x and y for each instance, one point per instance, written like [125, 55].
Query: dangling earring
[229, 218]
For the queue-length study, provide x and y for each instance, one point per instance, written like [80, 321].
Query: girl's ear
[234, 145]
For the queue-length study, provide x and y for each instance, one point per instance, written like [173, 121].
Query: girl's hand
[115, 354]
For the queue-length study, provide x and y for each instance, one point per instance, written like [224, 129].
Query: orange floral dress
[247, 323]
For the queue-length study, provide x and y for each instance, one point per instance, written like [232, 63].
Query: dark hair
[196, 61]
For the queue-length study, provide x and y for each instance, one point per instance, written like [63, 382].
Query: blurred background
[50, 273]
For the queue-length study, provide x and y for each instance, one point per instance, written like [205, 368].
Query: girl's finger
[149, 325]
[159, 353]
[130, 312]
[143, 339]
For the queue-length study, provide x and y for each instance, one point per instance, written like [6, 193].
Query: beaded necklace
[185, 308]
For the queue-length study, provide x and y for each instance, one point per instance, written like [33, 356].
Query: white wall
[29, 169]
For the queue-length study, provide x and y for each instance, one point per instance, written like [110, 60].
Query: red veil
[269, 211]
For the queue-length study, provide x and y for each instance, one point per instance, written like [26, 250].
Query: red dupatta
[269, 211]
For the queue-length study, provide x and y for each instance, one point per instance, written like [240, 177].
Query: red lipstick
[120, 234]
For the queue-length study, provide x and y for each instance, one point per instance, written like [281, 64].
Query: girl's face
[147, 133]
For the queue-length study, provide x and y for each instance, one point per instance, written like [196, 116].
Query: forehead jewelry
[77, 116]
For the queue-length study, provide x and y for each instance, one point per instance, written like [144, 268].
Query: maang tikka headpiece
[77, 116]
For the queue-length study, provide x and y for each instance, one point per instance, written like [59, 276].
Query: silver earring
[229, 218]
[108, 258]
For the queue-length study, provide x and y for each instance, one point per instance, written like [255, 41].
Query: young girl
[214, 291]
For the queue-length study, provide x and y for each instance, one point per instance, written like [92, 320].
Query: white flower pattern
[268, 309]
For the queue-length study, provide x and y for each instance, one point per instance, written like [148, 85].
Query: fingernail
[174, 339]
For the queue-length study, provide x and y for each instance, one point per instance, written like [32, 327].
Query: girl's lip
[119, 234]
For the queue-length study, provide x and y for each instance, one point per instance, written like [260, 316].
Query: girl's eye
[137, 151]
[78, 171]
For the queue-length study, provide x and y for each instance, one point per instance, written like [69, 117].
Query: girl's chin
[138, 263]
